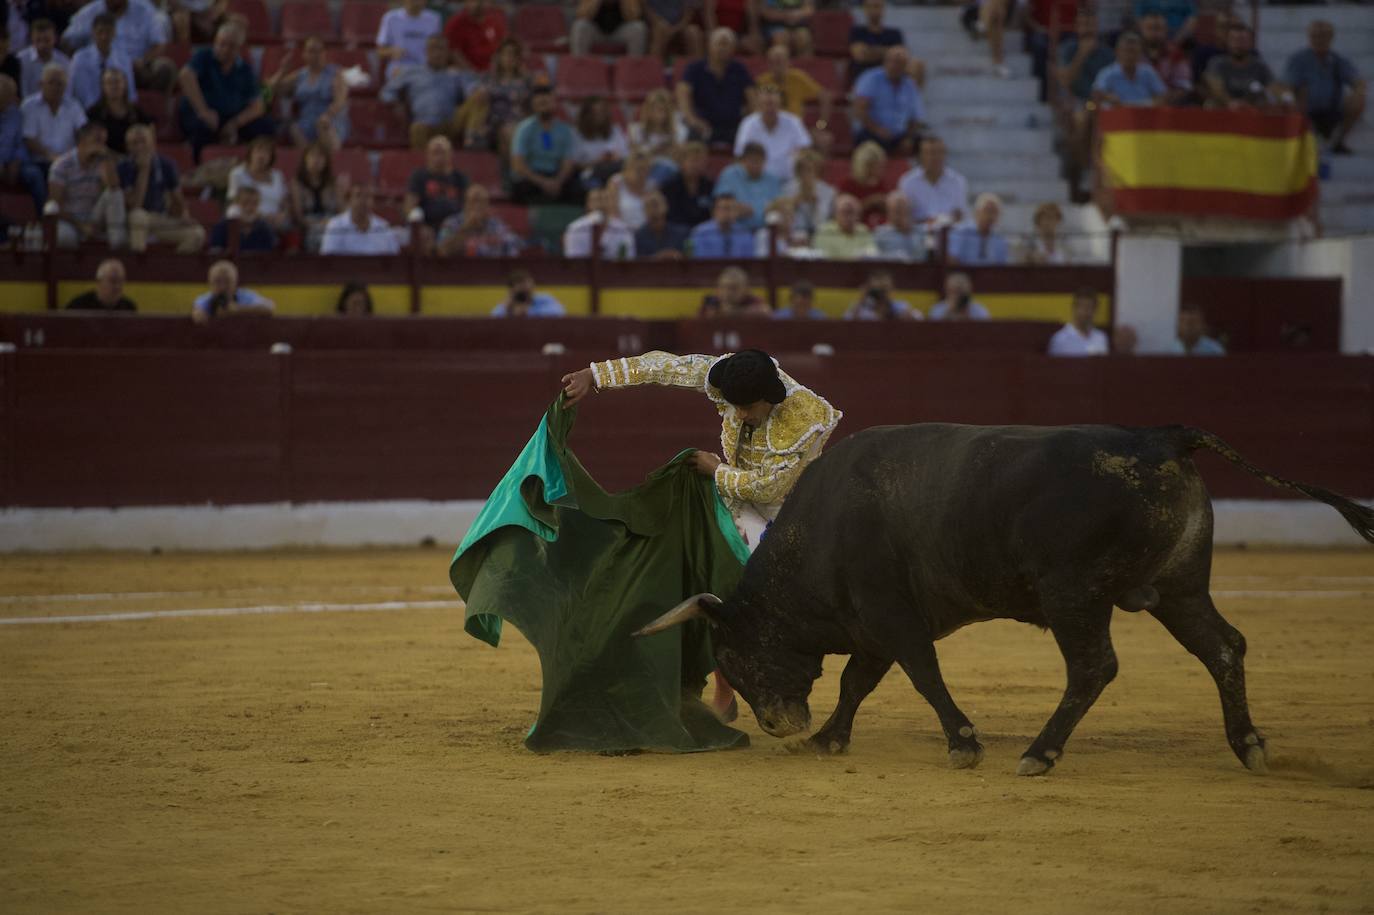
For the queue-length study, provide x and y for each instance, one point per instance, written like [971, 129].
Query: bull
[900, 535]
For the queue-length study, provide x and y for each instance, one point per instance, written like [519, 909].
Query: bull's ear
[698, 606]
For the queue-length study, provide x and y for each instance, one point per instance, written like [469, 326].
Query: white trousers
[752, 520]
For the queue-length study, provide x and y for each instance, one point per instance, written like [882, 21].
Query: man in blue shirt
[752, 188]
[1328, 86]
[15, 165]
[524, 302]
[1192, 334]
[541, 155]
[100, 55]
[1129, 81]
[714, 93]
[976, 243]
[722, 237]
[139, 34]
[887, 105]
[432, 93]
[221, 99]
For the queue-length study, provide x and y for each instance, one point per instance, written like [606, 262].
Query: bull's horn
[687, 610]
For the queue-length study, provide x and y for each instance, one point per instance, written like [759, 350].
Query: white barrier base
[410, 523]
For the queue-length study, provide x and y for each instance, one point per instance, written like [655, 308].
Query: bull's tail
[1358, 516]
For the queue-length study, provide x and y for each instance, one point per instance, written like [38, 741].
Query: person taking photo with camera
[877, 304]
[523, 302]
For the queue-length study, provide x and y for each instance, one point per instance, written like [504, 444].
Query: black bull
[899, 535]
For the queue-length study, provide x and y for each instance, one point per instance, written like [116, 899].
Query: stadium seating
[259, 20]
[580, 77]
[636, 77]
[355, 163]
[394, 168]
[376, 124]
[830, 32]
[517, 218]
[301, 19]
[541, 27]
[823, 70]
[205, 212]
[481, 168]
[359, 21]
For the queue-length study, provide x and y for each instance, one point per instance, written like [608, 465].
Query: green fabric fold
[577, 569]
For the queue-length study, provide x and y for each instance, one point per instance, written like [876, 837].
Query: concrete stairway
[999, 136]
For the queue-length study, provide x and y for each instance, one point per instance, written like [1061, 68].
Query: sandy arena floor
[371, 762]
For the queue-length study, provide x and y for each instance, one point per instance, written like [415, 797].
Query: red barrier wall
[87, 428]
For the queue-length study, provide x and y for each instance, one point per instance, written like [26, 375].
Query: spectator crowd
[138, 124]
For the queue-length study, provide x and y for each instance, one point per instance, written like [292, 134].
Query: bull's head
[773, 678]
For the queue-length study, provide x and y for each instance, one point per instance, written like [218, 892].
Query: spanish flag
[1199, 162]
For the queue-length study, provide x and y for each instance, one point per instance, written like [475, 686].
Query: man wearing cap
[771, 428]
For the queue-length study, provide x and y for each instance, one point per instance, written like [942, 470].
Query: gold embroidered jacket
[760, 468]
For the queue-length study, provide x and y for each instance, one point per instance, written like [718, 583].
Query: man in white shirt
[95, 58]
[140, 33]
[779, 133]
[38, 56]
[357, 230]
[1079, 337]
[402, 35]
[617, 241]
[50, 117]
[935, 192]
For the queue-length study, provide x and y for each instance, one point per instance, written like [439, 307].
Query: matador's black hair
[748, 377]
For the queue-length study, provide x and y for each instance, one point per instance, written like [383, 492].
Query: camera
[521, 297]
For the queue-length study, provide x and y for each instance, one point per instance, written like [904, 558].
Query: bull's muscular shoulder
[799, 420]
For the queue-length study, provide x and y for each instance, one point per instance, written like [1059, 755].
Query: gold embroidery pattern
[769, 461]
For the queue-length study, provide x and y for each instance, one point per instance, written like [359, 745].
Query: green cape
[577, 569]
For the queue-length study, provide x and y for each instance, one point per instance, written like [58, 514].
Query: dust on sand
[372, 761]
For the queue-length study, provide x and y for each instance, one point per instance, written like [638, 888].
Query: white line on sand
[385, 606]
[237, 611]
[218, 592]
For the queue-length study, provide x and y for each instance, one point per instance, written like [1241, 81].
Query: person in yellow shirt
[771, 428]
[845, 238]
[798, 90]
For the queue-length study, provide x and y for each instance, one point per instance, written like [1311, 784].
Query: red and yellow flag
[1201, 162]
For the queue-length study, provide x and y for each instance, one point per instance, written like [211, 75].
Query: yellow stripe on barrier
[477, 301]
[16, 297]
[1209, 162]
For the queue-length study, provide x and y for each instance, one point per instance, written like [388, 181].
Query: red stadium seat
[216, 151]
[515, 216]
[716, 162]
[375, 124]
[180, 54]
[260, 29]
[272, 57]
[824, 71]
[830, 32]
[394, 169]
[205, 212]
[288, 160]
[754, 63]
[359, 21]
[541, 27]
[636, 77]
[180, 154]
[481, 168]
[355, 163]
[301, 19]
[579, 77]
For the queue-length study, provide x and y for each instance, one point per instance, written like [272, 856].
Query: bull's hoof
[818, 744]
[965, 757]
[1031, 765]
[1256, 757]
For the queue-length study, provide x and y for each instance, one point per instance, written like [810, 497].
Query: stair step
[1023, 140]
[976, 90]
